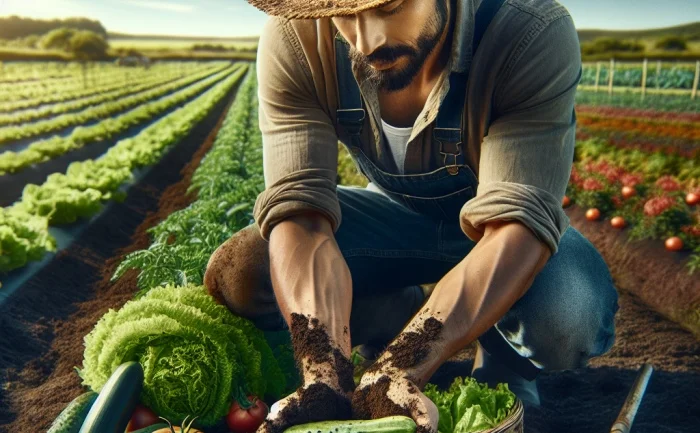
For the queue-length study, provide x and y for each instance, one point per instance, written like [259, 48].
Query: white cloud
[162, 5]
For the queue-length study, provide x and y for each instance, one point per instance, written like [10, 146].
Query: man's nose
[370, 35]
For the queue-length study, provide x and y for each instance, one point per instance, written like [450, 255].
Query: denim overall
[429, 204]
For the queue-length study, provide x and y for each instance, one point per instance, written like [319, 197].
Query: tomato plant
[692, 198]
[566, 201]
[246, 414]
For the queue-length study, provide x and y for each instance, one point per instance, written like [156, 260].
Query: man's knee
[237, 274]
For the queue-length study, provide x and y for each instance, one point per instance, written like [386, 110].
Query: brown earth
[43, 325]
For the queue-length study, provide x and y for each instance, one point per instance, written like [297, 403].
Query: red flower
[591, 184]
[630, 179]
[657, 205]
[667, 183]
[691, 230]
[617, 201]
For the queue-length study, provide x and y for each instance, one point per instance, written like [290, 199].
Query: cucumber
[72, 417]
[113, 408]
[151, 428]
[390, 424]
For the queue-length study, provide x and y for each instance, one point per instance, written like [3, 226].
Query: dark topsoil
[44, 325]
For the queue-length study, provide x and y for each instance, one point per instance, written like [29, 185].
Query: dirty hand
[388, 391]
[323, 396]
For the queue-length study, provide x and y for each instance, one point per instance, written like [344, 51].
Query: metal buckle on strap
[451, 136]
[351, 119]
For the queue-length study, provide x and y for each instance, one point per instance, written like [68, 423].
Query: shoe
[488, 370]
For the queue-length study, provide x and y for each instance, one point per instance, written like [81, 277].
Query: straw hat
[303, 9]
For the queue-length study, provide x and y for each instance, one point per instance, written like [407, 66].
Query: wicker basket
[514, 422]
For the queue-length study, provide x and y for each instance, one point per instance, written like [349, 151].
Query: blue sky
[228, 18]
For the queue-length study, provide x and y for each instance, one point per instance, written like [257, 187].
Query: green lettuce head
[196, 355]
[469, 406]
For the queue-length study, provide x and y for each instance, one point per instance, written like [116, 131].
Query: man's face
[391, 43]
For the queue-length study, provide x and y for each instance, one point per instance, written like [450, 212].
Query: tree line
[14, 27]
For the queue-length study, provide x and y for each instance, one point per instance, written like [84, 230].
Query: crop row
[227, 182]
[41, 151]
[641, 190]
[31, 115]
[674, 77]
[658, 102]
[647, 127]
[80, 193]
[23, 72]
[76, 90]
[93, 75]
[102, 111]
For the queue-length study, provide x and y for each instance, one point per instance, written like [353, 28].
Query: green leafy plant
[468, 406]
[196, 355]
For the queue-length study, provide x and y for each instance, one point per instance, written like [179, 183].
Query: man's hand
[327, 380]
[383, 393]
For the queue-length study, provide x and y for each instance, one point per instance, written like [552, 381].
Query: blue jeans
[565, 318]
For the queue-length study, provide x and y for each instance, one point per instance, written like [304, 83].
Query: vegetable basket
[513, 423]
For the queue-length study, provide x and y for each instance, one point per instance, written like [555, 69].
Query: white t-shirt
[397, 139]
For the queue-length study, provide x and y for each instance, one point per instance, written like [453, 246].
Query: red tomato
[628, 191]
[592, 214]
[142, 417]
[566, 201]
[674, 244]
[618, 222]
[248, 420]
[692, 198]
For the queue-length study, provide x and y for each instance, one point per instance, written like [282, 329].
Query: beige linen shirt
[519, 120]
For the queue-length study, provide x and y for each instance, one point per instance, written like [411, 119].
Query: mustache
[385, 54]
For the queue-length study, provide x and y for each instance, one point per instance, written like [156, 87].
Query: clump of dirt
[314, 345]
[372, 401]
[414, 347]
[317, 402]
[410, 348]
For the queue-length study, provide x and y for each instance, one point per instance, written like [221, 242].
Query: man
[461, 114]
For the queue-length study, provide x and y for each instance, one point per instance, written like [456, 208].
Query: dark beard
[395, 80]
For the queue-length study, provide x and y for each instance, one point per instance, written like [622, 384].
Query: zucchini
[390, 424]
[117, 400]
[72, 417]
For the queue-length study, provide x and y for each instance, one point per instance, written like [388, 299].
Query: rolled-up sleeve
[527, 155]
[300, 154]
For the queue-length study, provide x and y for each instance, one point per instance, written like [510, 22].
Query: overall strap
[351, 112]
[448, 129]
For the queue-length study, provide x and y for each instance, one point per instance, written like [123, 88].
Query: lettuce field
[118, 183]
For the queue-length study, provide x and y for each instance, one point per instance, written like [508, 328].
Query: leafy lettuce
[468, 406]
[196, 355]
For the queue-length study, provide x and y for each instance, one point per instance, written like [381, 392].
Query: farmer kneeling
[461, 115]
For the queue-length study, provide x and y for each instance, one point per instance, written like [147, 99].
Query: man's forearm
[310, 276]
[476, 293]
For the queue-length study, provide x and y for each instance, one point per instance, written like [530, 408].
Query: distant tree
[58, 39]
[87, 45]
[608, 45]
[672, 43]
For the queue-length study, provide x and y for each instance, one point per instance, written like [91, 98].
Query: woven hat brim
[312, 9]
